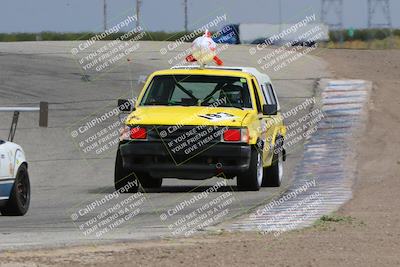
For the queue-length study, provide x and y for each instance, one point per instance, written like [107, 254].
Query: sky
[167, 15]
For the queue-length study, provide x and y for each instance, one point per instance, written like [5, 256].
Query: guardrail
[43, 110]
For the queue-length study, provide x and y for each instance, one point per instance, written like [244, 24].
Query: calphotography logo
[96, 57]
[290, 41]
[109, 213]
[99, 134]
[199, 211]
[179, 58]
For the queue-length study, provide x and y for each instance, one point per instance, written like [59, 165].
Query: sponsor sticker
[220, 116]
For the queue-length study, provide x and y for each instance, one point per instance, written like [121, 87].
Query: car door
[271, 122]
[265, 131]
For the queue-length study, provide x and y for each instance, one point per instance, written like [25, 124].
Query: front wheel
[274, 173]
[251, 180]
[20, 196]
[124, 181]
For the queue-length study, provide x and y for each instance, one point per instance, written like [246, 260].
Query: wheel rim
[280, 166]
[259, 169]
[23, 190]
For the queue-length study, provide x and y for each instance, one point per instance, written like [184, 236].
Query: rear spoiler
[43, 110]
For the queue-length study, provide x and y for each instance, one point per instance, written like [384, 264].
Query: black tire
[273, 174]
[122, 177]
[20, 196]
[146, 181]
[250, 180]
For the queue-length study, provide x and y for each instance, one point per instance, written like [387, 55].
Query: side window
[266, 95]
[258, 102]
[271, 94]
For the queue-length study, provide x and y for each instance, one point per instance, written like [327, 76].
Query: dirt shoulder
[367, 230]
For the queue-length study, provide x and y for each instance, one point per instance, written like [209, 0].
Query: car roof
[249, 70]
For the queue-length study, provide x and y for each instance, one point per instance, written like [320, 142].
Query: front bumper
[153, 157]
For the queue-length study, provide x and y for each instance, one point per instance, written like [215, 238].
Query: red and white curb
[324, 177]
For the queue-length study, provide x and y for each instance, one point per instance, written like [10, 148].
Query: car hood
[180, 115]
[5, 145]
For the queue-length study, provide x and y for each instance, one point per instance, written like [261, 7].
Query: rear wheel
[274, 173]
[251, 180]
[20, 196]
[123, 178]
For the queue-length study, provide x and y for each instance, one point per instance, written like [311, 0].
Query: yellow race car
[197, 123]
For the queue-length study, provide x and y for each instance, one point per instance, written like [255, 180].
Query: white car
[15, 188]
[14, 180]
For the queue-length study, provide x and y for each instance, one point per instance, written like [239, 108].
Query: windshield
[197, 90]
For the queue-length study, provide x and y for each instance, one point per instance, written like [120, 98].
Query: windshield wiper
[237, 107]
[232, 107]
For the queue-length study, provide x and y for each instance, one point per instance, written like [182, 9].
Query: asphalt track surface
[64, 178]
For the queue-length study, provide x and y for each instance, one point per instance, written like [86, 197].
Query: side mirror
[270, 109]
[125, 105]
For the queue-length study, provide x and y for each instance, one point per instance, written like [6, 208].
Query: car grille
[180, 134]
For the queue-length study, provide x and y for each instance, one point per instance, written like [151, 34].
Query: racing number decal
[220, 116]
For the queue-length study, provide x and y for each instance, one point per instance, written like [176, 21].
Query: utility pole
[138, 5]
[185, 3]
[105, 15]
[280, 15]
